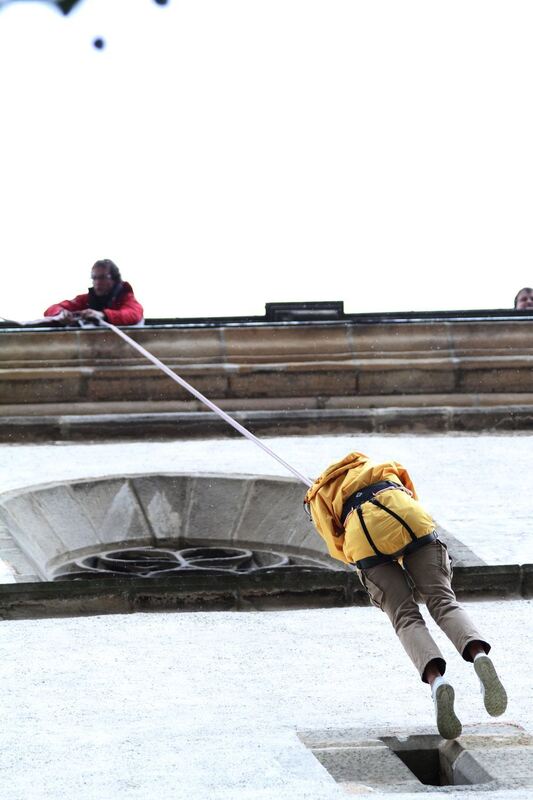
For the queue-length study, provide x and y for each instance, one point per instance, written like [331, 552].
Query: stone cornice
[267, 367]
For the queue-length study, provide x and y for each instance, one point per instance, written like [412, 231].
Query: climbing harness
[368, 495]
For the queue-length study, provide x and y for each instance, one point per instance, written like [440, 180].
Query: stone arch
[57, 524]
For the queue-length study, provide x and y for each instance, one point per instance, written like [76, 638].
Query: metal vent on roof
[308, 311]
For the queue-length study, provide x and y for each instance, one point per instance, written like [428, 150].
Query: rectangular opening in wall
[393, 763]
[436, 762]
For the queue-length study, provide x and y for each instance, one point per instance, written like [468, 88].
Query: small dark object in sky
[66, 6]
[99, 43]
[161, 2]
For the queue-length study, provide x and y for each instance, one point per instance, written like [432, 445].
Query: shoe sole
[448, 725]
[494, 695]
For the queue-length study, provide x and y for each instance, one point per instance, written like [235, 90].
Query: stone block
[374, 765]
[407, 378]
[293, 383]
[402, 341]
[31, 531]
[285, 343]
[466, 769]
[27, 348]
[499, 418]
[496, 375]
[508, 764]
[40, 385]
[480, 338]
[149, 383]
[305, 539]
[165, 502]
[114, 511]
[273, 514]
[102, 346]
[215, 507]
[30, 429]
[16, 558]
[66, 516]
[414, 420]
[527, 580]
[184, 346]
[500, 580]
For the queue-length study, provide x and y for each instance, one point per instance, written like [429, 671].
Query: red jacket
[124, 309]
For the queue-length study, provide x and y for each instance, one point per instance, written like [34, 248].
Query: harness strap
[396, 517]
[374, 561]
[367, 532]
[367, 495]
[363, 495]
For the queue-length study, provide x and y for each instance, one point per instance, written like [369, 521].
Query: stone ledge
[273, 404]
[347, 378]
[484, 758]
[308, 588]
[180, 425]
[273, 342]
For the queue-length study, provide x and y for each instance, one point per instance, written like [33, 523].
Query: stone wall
[334, 367]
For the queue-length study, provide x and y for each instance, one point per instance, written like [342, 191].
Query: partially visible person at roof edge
[524, 299]
[110, 298]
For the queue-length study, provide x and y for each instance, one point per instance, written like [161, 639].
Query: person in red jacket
[109, 298]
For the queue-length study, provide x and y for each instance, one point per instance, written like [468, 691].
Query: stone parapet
[270, 366]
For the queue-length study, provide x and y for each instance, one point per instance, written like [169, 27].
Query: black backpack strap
[364, 495]
[367, 532]
[396, 517]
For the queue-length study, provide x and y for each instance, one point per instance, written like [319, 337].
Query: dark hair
[524, 289]
[111, 266]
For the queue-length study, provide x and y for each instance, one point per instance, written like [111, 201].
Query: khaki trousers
[428, 571]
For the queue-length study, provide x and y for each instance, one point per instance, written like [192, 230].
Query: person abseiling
[369, 516]
[109, 298]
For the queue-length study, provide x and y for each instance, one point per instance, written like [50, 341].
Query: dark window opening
[435, 762]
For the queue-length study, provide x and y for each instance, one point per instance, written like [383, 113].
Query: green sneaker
[494, 695]
[448, 725]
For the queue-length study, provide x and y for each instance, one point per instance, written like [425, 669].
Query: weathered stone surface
[181, 425]
[340, 363]
[114, 510]
[512, 375]
[165, 501]
[489, 757]
[215, 508]
[54, 524]
[265, 344]
[411, 340]
[31, 531]
[293, 383]
[273, 513]
[191, 592]
[486, 337]
[409, 378]
[527, 580]
[375, 765]
[498, 580]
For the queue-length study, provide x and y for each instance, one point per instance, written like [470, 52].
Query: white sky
[227, 153]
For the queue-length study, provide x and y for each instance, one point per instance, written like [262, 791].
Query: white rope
[175, 377]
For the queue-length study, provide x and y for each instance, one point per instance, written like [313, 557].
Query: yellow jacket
[327, 496]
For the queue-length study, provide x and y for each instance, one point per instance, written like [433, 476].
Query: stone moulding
[44, 529]
[53, 525]
[484, 366]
